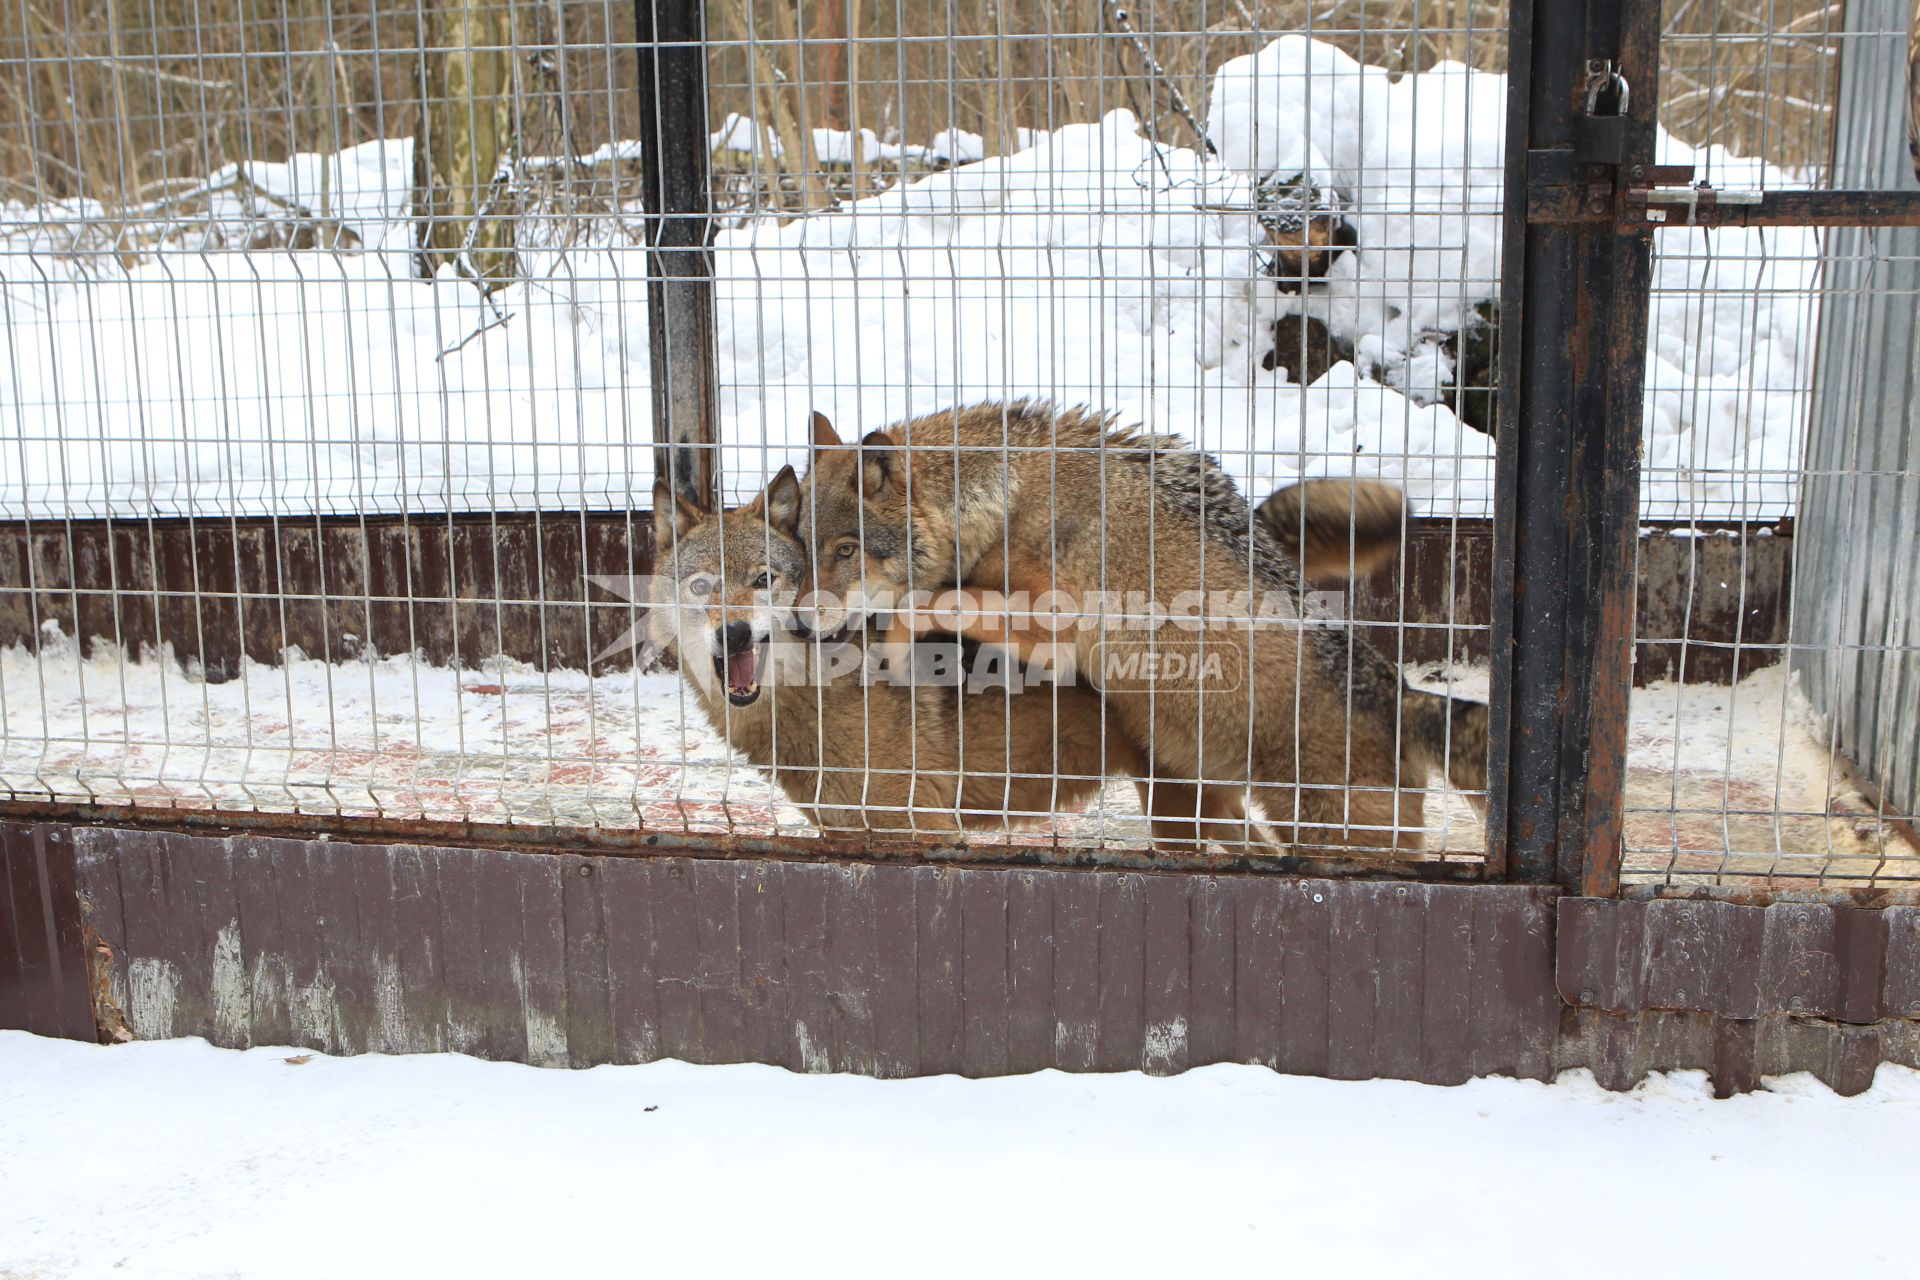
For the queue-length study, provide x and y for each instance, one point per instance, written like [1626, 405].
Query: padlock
[1600, 139]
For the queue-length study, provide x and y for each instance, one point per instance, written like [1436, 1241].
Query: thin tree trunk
[836, 56]
[465, 141]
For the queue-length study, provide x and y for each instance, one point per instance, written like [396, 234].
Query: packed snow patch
[274, 1164]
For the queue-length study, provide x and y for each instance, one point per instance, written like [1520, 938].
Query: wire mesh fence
[328, 459]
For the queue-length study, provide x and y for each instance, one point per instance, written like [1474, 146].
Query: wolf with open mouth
[873, 756]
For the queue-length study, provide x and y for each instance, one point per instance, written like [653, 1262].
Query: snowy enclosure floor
[173, 1159]
[1728, 780]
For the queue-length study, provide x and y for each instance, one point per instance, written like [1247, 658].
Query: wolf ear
[673, 516]
[824, 436]
[782, 500]
[879, 466]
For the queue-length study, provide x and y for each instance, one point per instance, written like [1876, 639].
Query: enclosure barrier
[1663, 542]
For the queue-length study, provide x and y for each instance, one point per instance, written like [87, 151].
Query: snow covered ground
[157, 369]
[173, 1160]
[1736, 780]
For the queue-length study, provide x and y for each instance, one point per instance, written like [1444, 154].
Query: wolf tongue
[743, 670]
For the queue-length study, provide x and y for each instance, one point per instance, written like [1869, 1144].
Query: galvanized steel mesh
[327, 450]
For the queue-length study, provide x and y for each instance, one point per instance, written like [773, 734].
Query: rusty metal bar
[620, 842]
[676, 194]
[1706, 207]
[1567, 468]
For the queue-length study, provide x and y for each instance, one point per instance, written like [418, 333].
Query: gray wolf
[875, 756]
[1035, 501]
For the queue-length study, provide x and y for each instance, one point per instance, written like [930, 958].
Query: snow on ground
[172, 1159]
[1091, 266]
[1738, 780]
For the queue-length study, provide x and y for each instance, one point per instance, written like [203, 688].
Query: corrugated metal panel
[883, 969]
[1857, 579]
[1740, 992]
[43, 950]
[1846, 964]
[906, 969]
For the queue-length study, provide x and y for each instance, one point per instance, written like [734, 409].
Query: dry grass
[123, 102]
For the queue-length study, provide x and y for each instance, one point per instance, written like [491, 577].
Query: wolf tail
[1442, 734]
[1337, 528]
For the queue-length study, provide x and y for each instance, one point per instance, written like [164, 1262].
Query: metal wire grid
[1778, 779]
[487, 432]
[190, 241]
[1760, 81]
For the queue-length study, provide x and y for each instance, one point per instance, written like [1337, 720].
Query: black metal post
[679, 229]
[1573, 320]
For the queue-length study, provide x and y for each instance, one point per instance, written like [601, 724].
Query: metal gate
[1585, 196]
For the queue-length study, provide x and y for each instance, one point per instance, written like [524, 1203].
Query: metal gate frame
[1583, 198]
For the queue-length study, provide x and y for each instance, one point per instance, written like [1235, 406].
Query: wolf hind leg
[1187, 815]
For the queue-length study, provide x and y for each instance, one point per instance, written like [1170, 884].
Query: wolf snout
[734, 638]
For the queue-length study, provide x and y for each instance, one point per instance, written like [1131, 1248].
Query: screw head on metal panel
[1639, 171]
[585, 870]
[1797, 1004]
[1586, 995]
[1318, 898]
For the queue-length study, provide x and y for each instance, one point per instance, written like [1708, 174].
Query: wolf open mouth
[741, 672]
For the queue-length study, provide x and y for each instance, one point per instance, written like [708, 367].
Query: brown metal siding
[1847, 964]
[43, 950]
[896, 969]
[1740, 992]
[469, 587]
[883, 969]
[455, 589]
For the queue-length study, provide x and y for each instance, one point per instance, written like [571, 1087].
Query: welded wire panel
[328, 380]
[327, 450]
[1760, 81]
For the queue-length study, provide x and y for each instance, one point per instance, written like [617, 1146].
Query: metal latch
[1667, 195]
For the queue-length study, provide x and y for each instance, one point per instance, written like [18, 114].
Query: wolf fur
[1029, 497]
[878, 756]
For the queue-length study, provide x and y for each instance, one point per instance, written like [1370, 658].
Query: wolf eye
[845, 550]
[761, 581]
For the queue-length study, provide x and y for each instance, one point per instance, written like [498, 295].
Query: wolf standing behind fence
[1140, 547]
